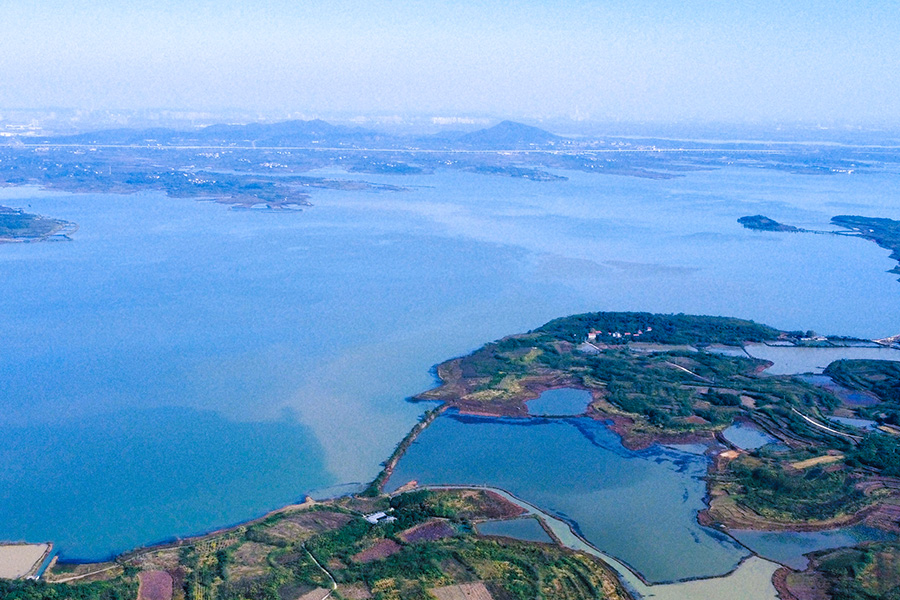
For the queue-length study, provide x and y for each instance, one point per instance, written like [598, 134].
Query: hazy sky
[664, 60]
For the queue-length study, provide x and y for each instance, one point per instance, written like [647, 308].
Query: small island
[19, 226]
[762, 223]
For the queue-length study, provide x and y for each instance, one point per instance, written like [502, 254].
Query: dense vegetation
[119, 589]
[868, 573]
[813, 494]
[673, 387]
[880, 451]
[660, 329]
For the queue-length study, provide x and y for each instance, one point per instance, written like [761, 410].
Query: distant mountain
[287, 133]
[115, 136]
[508, 135]
[316, 128]
[293, 133]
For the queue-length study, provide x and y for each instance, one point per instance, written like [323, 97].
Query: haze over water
[175, 348]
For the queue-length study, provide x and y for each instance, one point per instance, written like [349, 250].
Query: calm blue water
[148, 474]
[747, 437]
[640, 507]
[794, 360]
[859, 423]
[560, 402]
[325, 320]
[789, 548]
[527, 529]
[848, 396]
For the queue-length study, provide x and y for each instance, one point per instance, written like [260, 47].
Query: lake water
[198, 336]
[789, 548]
[858, 423]
[640, 507]
[794, 360]
[848, 396]
[560, 402]
[136, 481]
[528, 529]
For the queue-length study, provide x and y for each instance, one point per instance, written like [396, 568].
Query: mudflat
[20, 560]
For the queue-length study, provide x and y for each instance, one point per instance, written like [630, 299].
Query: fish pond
[528, 529]
[747, 437]
[790, 547]
[847, 396]
[560, 402]
[795, 360]
[858, 423]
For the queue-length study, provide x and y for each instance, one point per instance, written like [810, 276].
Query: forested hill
[660, 329]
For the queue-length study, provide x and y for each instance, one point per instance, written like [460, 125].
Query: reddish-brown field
[304, 525]
[155, 585]
[427, 532]
[465, 591]
[354, 592]
[481, 504]
[382, 549]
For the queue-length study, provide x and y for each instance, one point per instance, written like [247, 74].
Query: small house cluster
[379, 517]
[593, 333]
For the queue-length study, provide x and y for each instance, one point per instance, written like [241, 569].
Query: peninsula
[20, 226]
[763, 223]
[683, 378]
[680, 379]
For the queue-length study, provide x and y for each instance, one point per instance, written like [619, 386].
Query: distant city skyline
[647, 60]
